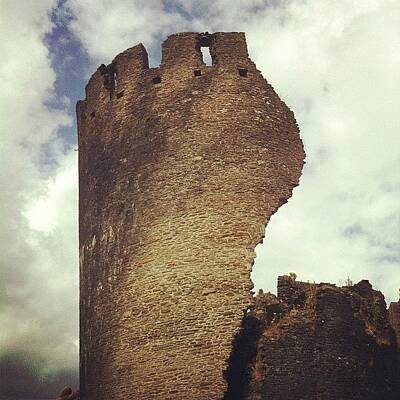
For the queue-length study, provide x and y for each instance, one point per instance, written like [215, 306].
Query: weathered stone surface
[179, 174]
[325, 342]
[394, 317]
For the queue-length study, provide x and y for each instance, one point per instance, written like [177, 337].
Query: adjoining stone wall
[394, 317]
[325, 342]
[180, 169]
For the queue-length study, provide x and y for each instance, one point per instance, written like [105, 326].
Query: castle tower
[180, 169]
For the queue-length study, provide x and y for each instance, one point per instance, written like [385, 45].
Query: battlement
[181, 58]
[225, 48]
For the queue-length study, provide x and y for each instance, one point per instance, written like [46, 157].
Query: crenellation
[130, 66]
[230, 48]
[129, 71]
[181, 50]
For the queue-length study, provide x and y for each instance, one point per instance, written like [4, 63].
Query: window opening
[205, 52]
[115, 80]
[197, 72]
[243, 72]
[92, 114]
[109, 74]
[120, 94]
[156, 80]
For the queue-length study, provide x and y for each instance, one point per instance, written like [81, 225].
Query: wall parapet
[131, 67]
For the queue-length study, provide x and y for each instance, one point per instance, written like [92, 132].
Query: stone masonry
[394, 316]
[181, 168]
[319, 341]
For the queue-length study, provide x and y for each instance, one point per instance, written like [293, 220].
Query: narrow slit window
[157, 80]
[205, 51]
[197, 72]
[115, 80]
[92, 114]
[243, 72]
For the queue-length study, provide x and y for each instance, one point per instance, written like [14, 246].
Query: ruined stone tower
[180, 169]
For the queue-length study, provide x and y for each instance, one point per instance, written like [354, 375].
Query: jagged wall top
[228, 51]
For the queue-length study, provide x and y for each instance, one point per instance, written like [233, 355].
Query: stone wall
[324, 342]
[394, 317]
[180, 169]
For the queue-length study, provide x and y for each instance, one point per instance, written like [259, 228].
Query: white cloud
[335, 65]
[56, 207]
[106, 28]
[38, 271]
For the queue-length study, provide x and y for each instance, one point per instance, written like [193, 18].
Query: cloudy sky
[335, 63]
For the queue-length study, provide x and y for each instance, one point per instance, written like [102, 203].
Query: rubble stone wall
[394, 316]
[328, 343]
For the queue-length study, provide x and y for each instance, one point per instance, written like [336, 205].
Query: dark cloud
[38, 263]
[353, 230]
[23, 376]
